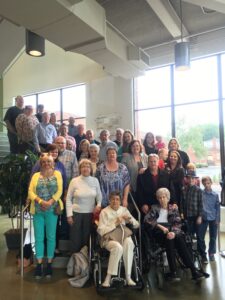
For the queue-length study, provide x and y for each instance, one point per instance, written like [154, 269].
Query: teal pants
[45, 220]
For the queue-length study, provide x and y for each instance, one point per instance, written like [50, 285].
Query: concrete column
[1, 103]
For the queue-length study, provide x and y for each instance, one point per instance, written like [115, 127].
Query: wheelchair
[156, 259]
[99, 262]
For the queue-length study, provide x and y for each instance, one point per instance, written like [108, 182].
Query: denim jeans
[212, 237]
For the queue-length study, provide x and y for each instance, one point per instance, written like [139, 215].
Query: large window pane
[74, 103]
[197, 84]
[153, 89]
[223, 74]
[197, 130]
[30, 100]
[157, 121]
[51, 102]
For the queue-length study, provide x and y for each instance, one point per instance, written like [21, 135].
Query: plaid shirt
[69, 160]
[191, 204]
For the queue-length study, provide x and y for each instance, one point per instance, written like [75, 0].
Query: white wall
[106, 95]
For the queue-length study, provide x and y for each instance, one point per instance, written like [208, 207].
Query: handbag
[119, 234]
[57, 209]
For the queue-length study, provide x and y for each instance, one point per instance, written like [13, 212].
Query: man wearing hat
[191, 204]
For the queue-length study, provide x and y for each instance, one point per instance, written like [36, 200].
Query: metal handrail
[139, 230]
[22, 238]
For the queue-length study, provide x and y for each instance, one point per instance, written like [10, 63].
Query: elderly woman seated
[164, 222]
[115, 237]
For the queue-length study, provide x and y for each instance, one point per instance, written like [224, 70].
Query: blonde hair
[85, 161]
[191, 166]
[45, 155]
[205, 178]
[84, 142]
[153, 155]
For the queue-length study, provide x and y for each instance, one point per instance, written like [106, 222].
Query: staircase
[4, 145]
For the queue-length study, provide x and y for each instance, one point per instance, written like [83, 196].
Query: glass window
[223, 74]
[153, 89]
[197, 84]
[74, 102]
[157, 121]
[30, 100]
[197, 130]
[51, 102]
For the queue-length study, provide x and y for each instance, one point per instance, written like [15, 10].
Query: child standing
[191, 204]
[211, 218]
[159, 142]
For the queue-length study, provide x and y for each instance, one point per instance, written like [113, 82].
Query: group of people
[87, 177]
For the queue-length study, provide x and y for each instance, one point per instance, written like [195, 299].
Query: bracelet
[40, 201]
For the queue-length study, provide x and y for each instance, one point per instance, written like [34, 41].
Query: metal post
[22, 239]
[140, 239]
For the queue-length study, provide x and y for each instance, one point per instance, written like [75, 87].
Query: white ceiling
[147, 24]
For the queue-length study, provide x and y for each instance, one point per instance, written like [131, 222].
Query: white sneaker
[130, 282]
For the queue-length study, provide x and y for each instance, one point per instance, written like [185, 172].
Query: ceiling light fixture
[182, 49]
[35, 44]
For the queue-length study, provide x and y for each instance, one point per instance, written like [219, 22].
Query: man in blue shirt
[45, 133]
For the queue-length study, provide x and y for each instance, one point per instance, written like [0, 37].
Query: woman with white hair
[164, 223]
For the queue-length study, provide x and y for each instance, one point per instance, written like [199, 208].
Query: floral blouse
[112, 181]
[173, 217]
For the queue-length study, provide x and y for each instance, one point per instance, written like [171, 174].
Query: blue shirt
[211, 206]
[44, 134]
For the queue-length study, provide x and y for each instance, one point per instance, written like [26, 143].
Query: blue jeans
[212, 237]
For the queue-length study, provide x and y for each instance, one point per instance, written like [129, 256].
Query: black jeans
[13, 143]
[178, 244]
[80, 231]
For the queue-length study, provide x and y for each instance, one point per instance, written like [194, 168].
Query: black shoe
[198, 276]
[38, 271]
[48, 271]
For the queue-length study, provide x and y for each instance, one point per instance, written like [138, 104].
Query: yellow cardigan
[33, 185]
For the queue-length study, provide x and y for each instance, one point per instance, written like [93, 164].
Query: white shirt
[83, 194]
[108, 218]
[163, 214]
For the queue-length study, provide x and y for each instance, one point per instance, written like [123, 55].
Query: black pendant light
[35, 44]
[182, 49]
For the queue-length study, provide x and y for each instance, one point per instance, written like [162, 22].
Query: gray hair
[163, 191]
[94, 146]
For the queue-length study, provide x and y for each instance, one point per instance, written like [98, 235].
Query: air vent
[138, 57]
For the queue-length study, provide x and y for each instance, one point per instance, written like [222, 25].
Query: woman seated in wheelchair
[116, 237]
[164, 223]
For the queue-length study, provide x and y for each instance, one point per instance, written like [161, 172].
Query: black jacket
[146, 189]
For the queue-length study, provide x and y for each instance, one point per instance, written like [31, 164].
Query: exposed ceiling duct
[79, 26]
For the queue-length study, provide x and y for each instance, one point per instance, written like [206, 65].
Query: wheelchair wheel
[140, 283]
[155, 278]
[96, 278]
[159, 279]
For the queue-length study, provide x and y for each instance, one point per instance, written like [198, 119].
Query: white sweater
[83, 194]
